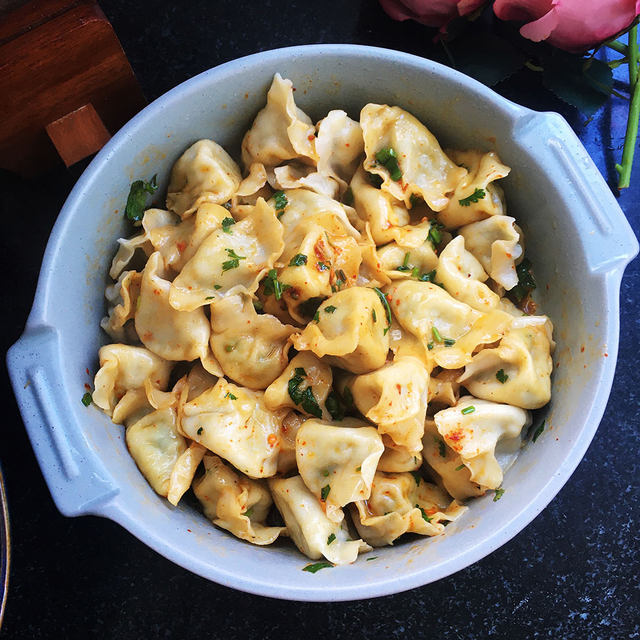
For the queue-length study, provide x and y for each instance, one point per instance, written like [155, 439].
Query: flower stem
[618, 46]
[624, 170]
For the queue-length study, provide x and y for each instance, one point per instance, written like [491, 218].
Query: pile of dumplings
[324, 349]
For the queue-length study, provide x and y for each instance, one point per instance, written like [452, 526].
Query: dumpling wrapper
[308, 526]
[155, 445]
[250, 347]
[337, 463]
[427, 171]
[235, 503]
[123, 367]
[397, 459]
[122, 297]
[353, 336]
[398, 262]
[474, 435]
[184, 471]
[230, 263]
[234, 423]
[400, 504]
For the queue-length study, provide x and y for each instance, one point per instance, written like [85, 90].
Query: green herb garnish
[272, 286]
[436, 334]
[449, 342]
[331, 538]
[137, 198]
[416, 476]
[435, 235]
[316, 566]
[526, 283]
[425, 517]
[538, 432]
[478, 194]
[498, 494]
[387, 308]
[330, 309]
[405, 263]
[229, 347]
[468, 410]
[501, 376]
[280, 200]
[298, 260]
[334, 406]
[248, 512]
[372, 558]
[388, 158]
[373, 315]
[442, 447]
[322, 266]
[324, 492]
[227, 223]
[234, 262]
[217, 286]
[316, 316]
[459, 467]
[428, 277]
[430, 346]
[230, 396]
[87, 399]
[200, 430]
[210, 298]
[305, 397]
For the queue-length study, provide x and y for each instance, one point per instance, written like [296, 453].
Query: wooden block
[57, 56]
[78, 134]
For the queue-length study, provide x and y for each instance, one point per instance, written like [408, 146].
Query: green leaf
[137, 198]
[316, 566]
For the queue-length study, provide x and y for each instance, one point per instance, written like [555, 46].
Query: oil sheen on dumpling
[337, 463]
[475, 197]
[235, 503]
[234, 423]
[173, 335]
[524, 358]
[205, 172]
[473, 428]
[155, 444]
[281, 131]
[394, 397]
[427, 171]
[351, 329]
[308, 526]
[123, 367]
[230, 261]
[400, 504]
[495, 242]
[251, 348]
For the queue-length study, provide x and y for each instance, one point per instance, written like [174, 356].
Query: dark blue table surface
[572, 573]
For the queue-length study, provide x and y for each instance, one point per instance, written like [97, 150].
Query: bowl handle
[74, 474]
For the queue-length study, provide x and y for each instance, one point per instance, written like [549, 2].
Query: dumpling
[122, 298]
[424, 169]
[401, 262]
[337, 463]
[198, 381]
[235, 503]
[251, 348]
[444, 387]
[308, 526]
[230, 262]
[519, 370]
[133, 406]
[475, 197]
[184, 471]
[301, 176]
[205, 172]
[290, 425]
[350, 328]
[495, 242]
[371, 273]
[234, 423]
[401, 503]
[448, 465]
[155, 444]
[473, 428]
[173, 335]
[123, 367]
[397, 459]
[463, 277]
[127, 248]
[303, 385]
[339, 146]
[281, 131]
[394, 397]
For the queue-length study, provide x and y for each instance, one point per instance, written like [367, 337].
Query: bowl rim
[261, 585]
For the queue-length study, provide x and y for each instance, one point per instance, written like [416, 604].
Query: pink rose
[434, 13]
[572, 25]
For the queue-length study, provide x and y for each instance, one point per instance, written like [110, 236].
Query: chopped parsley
[459, 467]
[227, 223]
[330, 309]
[87, 399]
[375, 180]
[435, 235]
[442, 447]
[210, 298]
[498, 494]
[468, 410]
[387, 308]
[334, 406]
[538, 432]
[405, 263]
[425, 517]
[137, 198]
[281, 202]
[298, 260]
[416, 476]
[234, 261]
[388, 158]
[200, 430]
[305, 397]
[526, 283]
[316, 566]
[217, 286]
[501, 376]
[331, 538]
[372, 558]
[478, 194]
[272, 286]
[230, 396]
[324, 492]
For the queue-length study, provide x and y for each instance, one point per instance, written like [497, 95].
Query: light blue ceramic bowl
[577, 237]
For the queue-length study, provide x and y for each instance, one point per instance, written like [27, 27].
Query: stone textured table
[572, 573]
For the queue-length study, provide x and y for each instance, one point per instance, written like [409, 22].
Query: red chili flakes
[189, 530]
[87, 387]
[272, 440]
[346, 144]
[582, 349]
[399, 388]
[87, 370]
[311, 137]
[181, 246]
[456, 435]
[606, 355]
